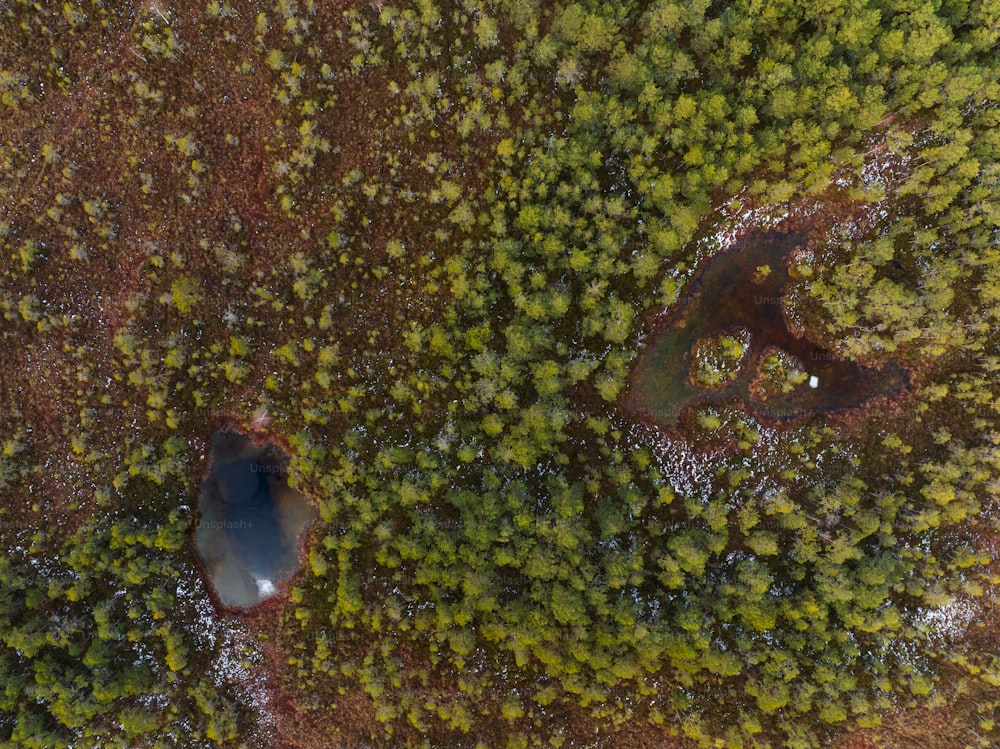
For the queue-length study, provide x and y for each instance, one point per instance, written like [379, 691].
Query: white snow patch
[951, 620]
[236, 657]
[688, 470]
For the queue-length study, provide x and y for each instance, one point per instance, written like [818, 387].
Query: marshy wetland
[426, 241]
[730, 339]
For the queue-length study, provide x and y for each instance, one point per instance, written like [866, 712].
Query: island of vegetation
[716, 361]
[450, 259]
[779, 373]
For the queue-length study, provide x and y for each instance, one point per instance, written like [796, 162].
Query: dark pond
[251, 527]
[731, 295]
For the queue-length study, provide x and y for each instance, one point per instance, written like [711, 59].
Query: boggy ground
[745, 287]
[224, 226]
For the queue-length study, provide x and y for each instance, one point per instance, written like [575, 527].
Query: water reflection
[250, 531]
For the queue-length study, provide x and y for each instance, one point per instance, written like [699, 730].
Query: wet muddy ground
[743, 289]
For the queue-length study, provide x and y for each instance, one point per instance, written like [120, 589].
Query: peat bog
[741, 293]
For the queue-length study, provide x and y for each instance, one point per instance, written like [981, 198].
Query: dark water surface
[730, 294]
[250, 531]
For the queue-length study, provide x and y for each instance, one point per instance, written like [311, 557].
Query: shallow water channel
[731, 295]
[252, 524]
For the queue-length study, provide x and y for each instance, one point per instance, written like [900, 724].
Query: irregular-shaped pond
[251, 525]
[740, 293]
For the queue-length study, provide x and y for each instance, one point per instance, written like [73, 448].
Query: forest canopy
[420, 246]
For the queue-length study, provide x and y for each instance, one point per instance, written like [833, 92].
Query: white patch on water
[265, 587]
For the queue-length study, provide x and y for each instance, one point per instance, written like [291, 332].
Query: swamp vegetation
[425, 249]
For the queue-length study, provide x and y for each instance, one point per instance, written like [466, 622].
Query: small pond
[728, 339]
[251, 526]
